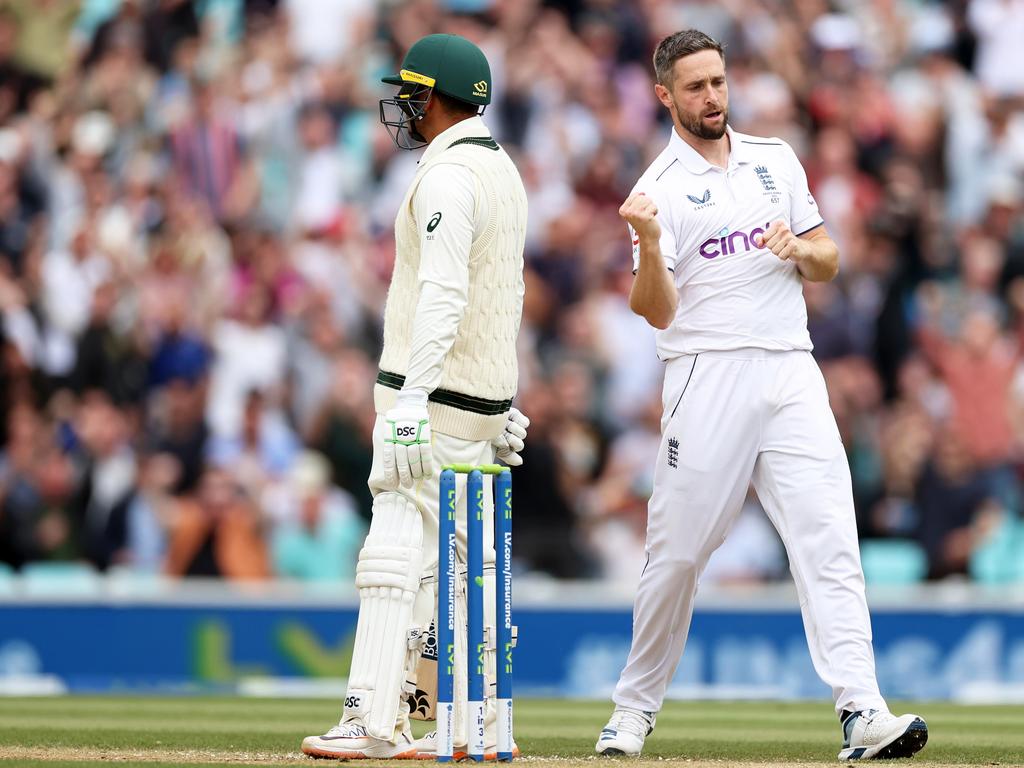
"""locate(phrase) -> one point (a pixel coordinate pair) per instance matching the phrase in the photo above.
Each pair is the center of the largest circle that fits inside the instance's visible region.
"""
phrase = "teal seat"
(999, 559)
(7, 579)
(59, 579)
(893, 561)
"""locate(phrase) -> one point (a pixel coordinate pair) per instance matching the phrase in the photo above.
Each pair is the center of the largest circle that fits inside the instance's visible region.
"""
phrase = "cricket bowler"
(724, 231)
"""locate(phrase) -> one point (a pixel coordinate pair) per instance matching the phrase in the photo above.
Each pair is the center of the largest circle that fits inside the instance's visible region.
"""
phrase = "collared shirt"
(732, 294)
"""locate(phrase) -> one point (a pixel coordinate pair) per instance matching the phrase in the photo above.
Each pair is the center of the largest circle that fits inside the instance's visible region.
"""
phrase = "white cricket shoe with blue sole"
(625, 733)
(878, 735)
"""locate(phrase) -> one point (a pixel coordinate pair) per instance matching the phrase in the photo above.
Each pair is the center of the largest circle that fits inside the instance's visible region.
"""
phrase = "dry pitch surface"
(92, 731)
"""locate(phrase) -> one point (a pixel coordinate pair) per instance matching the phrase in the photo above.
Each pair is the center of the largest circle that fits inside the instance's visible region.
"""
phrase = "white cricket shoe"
(881, 735)
(426, 749)
(349, 740)
(625, 732)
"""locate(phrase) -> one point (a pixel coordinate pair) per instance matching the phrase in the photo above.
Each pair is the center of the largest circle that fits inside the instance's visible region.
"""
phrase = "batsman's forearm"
(822, 263)
(653, 296)
(435, 326)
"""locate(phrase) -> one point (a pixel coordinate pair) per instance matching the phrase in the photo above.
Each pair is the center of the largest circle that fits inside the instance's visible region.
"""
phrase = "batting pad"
(388, 578)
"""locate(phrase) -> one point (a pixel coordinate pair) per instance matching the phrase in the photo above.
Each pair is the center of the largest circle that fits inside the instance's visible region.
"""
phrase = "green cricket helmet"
(449, 64)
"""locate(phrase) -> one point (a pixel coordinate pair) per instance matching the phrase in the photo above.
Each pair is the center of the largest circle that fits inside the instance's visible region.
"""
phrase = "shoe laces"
(632, 721)
(874, 719)
(878, 722)
(347, 730)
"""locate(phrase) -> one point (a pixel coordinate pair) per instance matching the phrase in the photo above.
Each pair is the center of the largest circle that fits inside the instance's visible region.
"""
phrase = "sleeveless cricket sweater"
(480, 372)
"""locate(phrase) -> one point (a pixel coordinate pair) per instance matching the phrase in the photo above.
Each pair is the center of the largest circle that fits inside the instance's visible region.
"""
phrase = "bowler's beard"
(696, 125)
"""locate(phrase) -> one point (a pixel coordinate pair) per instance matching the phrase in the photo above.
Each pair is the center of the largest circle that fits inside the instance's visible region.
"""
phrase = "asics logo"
(726, 243)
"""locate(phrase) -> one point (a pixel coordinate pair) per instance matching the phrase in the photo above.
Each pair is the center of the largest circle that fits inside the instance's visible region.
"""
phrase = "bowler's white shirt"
(732, 294)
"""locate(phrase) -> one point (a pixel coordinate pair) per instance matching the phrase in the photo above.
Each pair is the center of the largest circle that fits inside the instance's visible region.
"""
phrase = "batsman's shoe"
(625, 732)
(426, 749)
(872, 733)
(349, 740)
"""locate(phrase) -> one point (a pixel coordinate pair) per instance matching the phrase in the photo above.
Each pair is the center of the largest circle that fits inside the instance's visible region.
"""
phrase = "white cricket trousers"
(732, 418)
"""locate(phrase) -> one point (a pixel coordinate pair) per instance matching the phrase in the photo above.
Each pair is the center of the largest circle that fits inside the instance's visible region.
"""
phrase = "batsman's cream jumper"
(450, 328)
(744, 402)
(456, 296)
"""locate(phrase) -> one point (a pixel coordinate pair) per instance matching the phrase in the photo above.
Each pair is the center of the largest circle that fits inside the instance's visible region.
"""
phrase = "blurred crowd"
(196, 210)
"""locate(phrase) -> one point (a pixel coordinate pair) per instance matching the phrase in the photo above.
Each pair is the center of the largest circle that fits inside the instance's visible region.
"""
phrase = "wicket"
(475, 610)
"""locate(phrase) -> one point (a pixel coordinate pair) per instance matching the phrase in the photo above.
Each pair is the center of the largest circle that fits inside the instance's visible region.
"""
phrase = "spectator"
(37, 520)
(320, 176)
(318, 533)
(70, 279)
(998, 25)
(107, 359)
(343, 428)
(196, 238)
(547, 537)
(150, 512)
(951, 495)
(17, 83)
(108, 479)
(44, 34)
(176, 426)
(978, 370)
(323, 30)
(209, 157)
(250, 353)
(218, 534)
(616, 504)
(179, 352)
(262, 452)
(311, 364)
(21, 200)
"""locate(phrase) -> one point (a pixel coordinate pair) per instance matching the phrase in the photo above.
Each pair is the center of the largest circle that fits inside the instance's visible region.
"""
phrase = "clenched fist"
(641, 212)
(781, 241)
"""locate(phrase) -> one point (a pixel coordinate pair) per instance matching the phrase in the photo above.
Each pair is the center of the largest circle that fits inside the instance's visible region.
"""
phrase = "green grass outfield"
(86, 731)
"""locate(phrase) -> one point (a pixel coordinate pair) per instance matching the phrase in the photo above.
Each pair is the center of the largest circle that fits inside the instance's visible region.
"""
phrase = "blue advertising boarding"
(563, 649)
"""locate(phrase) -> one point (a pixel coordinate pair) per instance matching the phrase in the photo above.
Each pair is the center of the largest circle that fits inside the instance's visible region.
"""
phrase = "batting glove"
(407, 453)
(512, 439)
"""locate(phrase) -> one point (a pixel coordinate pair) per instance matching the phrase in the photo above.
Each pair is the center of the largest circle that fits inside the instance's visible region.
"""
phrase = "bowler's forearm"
(821, 263)
(653, 296)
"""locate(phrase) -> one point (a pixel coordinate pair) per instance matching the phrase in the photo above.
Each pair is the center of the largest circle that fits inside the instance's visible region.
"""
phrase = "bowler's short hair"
(675, 47)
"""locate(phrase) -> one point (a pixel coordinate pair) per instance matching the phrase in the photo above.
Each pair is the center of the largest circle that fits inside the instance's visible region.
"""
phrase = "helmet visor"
(399, 115)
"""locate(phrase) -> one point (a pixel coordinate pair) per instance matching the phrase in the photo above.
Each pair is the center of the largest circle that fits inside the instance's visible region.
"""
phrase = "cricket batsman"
(448, 373)
(724, 231)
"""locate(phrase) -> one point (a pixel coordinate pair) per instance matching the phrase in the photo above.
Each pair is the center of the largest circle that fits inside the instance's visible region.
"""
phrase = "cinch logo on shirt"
(726, 244)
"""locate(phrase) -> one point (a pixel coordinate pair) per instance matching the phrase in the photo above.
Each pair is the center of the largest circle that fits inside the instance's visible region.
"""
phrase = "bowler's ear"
(663, 94)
